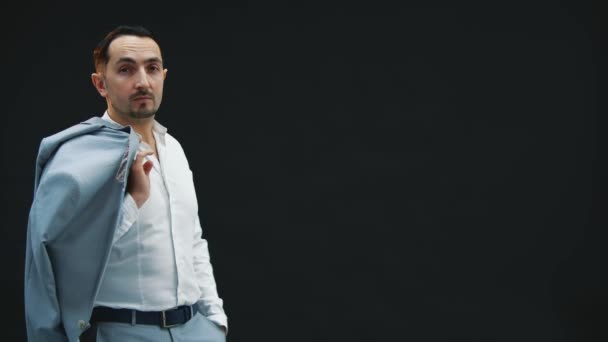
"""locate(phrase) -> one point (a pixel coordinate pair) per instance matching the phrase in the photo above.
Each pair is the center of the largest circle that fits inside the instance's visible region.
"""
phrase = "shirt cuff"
(220, 320)
(129, 210)
(130, 214)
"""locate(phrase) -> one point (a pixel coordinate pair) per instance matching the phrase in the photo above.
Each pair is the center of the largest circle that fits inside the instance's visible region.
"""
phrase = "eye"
(154, 68)
(124, 70)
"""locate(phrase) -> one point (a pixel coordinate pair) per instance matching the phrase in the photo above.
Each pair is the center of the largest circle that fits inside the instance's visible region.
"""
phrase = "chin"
(142, 115)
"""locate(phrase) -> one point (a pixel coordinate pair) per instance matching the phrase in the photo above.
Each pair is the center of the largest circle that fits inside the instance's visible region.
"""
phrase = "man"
(115, 255)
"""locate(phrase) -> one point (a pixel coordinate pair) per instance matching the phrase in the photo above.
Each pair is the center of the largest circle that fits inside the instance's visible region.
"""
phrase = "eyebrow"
(132, 61)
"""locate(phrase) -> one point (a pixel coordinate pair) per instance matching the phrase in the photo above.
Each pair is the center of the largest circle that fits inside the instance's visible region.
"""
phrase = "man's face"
(132, 80)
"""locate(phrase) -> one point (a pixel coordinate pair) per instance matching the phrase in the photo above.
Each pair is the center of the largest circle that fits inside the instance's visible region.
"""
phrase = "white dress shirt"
(159, 259)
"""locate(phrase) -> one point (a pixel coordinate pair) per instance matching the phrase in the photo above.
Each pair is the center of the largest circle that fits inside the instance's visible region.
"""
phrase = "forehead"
(133, 47)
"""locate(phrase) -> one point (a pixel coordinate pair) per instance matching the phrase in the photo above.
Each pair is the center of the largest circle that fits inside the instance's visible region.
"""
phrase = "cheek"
(121, 92)
(159, 89)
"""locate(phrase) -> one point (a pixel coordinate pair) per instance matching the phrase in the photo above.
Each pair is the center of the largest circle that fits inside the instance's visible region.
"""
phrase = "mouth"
(141, 98)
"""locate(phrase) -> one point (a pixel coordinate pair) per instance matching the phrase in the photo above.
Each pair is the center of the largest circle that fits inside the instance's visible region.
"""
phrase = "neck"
(142, 126)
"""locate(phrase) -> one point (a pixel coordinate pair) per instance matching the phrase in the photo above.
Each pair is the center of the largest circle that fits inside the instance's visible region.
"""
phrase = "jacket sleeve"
(52, 207)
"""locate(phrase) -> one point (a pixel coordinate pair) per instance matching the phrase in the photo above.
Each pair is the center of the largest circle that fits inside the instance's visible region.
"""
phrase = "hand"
(138, 184)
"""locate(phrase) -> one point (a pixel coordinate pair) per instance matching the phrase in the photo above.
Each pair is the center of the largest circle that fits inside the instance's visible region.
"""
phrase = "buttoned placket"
(176, 251)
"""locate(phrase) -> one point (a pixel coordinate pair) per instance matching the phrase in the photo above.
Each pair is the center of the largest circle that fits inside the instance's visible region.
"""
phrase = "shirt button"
(82, 324)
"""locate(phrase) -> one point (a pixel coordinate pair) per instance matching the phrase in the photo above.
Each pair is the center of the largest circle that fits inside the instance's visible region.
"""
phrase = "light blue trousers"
(198, 329)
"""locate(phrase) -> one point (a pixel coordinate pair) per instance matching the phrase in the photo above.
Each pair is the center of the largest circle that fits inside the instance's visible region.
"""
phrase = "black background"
(369, 172)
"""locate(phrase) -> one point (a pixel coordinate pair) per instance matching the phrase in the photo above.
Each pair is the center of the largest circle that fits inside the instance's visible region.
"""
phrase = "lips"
(139, 98)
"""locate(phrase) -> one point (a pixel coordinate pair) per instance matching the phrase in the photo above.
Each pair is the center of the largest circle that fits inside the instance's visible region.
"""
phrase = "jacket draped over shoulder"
(80, 182)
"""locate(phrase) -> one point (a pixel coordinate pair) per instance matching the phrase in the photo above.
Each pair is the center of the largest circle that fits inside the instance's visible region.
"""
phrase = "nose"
(142, 80)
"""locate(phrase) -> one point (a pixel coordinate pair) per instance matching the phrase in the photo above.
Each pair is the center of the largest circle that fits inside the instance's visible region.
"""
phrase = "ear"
(165, 74)
(99, 83)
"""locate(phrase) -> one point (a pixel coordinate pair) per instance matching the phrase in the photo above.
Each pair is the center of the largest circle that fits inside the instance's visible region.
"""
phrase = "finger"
(147, 167)
(141, 154)
(145, 155)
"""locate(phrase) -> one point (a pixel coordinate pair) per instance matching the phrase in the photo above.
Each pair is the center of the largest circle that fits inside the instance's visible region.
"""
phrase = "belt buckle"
(164, 318)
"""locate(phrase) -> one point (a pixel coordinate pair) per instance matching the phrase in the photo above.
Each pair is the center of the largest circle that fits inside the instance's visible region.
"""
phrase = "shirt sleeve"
(210, 303)
(130, 214)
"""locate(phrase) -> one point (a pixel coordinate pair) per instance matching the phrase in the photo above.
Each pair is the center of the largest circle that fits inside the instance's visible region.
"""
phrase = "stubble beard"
(142, 114)
(135, 114)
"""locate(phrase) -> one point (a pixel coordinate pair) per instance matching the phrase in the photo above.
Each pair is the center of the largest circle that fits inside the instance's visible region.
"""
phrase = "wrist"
(139, 199)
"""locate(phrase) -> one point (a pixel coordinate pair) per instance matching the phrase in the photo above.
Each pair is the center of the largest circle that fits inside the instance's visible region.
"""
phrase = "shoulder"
(65, 134)
(79, 130)
(175, 149)
(172, 140)
(173, 144)
(83, 148)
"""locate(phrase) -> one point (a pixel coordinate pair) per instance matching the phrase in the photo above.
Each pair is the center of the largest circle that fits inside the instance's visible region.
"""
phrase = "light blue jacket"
(80, 179)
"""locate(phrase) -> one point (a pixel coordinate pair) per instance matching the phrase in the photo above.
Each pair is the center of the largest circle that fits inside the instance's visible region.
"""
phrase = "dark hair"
(100, 53)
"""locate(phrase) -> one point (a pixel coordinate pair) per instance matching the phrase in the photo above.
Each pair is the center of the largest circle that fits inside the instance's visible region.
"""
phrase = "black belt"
(165, 319)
